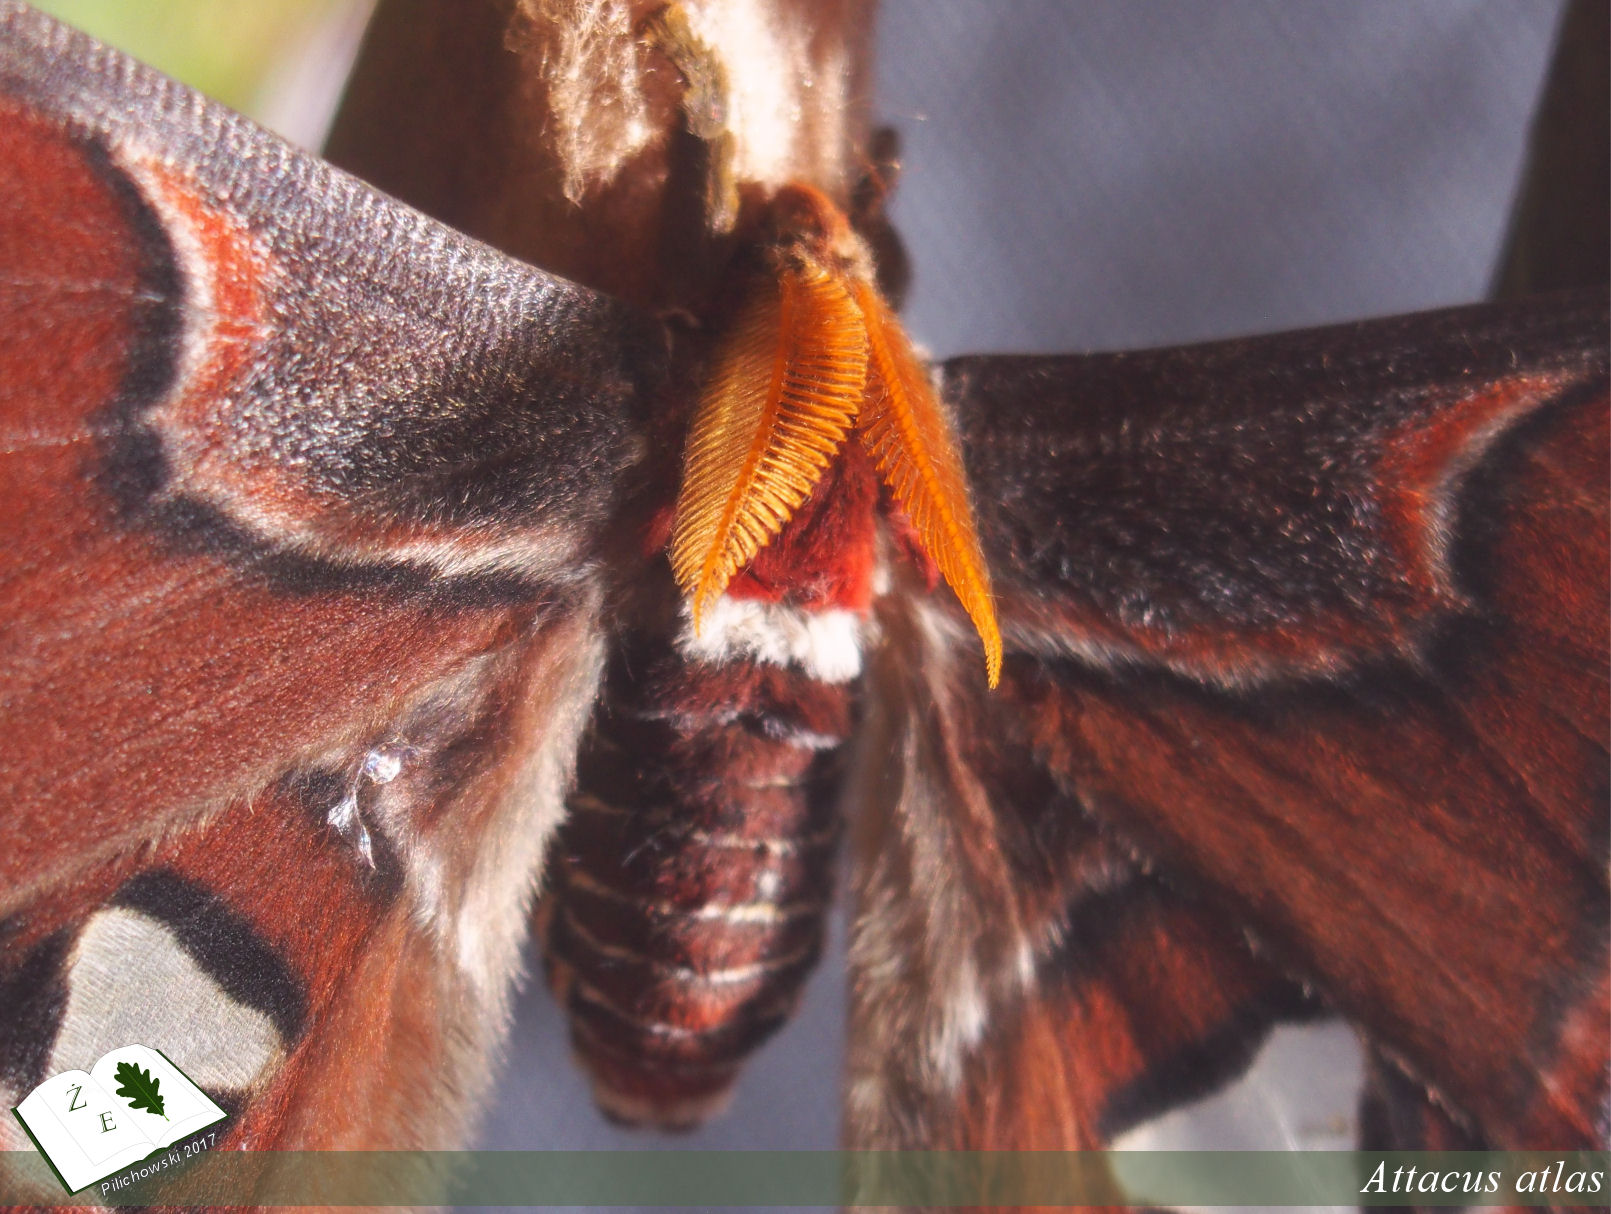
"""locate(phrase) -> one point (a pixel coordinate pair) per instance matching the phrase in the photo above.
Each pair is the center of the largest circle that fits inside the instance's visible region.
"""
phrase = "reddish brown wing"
(1307, 639)
(301, 493)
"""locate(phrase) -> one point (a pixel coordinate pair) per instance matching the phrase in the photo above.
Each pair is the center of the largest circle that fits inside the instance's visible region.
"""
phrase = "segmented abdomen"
(689, 887)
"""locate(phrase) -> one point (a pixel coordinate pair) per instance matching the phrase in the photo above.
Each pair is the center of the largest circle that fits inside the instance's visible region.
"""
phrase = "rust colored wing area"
(233, 574)
(1021, 978)
(189, 464)
(289, 976)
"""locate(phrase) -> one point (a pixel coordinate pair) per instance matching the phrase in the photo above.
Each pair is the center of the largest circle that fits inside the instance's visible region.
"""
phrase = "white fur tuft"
(599, 113)
(827, 645)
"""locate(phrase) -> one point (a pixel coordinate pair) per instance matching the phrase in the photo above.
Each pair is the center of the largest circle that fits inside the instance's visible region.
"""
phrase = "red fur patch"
(824, 556)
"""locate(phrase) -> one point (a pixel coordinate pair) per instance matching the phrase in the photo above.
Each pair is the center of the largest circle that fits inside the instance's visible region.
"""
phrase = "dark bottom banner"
(830, 1179)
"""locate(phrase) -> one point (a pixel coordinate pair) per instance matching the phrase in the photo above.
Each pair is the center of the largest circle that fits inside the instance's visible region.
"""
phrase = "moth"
(339, 592)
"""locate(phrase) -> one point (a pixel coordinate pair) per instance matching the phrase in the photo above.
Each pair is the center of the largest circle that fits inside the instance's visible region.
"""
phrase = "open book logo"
(128, 1108)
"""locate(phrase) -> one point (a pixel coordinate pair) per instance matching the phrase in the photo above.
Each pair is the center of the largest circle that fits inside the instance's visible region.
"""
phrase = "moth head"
(805, 227)
(812, 354)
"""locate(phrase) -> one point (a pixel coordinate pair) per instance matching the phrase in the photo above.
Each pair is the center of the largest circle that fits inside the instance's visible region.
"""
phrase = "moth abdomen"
(692, 879)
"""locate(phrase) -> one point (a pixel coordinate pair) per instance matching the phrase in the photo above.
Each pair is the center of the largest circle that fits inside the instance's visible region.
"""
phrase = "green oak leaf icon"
(139, 1087)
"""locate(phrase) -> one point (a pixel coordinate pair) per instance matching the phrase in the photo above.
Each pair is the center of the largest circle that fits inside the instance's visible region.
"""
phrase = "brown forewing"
(201, 525)
(1305, 691)
(1313, 628)
(217, 602)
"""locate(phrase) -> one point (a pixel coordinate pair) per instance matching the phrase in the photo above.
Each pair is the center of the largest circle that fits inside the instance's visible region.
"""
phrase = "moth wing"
(1305, 692)
(1021, 979)
(303, 498)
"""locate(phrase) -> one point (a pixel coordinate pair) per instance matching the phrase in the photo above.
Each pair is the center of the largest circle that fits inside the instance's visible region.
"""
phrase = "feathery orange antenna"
(815, 351)
(786, 387)
(913, 448)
